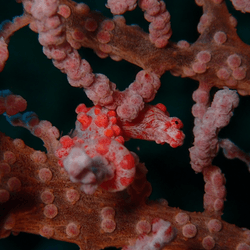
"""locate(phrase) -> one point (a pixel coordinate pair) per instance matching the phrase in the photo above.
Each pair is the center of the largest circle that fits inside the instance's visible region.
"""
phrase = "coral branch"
(231, 151)
(89, 188)
(208, 122)
(58, 209)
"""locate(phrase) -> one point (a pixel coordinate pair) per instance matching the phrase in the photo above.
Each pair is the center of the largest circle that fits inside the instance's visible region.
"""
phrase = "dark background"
(30, 74)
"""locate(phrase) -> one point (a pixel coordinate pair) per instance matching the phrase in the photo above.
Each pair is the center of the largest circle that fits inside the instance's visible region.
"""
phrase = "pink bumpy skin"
(162, 234)
(95, 156)
(154, 124)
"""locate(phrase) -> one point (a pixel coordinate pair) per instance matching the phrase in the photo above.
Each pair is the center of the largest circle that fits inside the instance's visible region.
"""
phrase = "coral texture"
(92, 84)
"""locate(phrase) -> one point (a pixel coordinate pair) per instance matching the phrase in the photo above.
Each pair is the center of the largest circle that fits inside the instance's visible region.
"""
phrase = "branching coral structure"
(90, 184)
